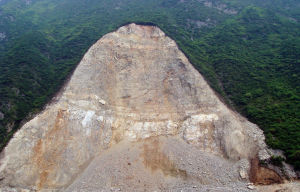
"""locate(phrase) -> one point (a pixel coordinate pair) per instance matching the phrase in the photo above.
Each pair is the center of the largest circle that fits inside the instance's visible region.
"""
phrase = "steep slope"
(133, 90)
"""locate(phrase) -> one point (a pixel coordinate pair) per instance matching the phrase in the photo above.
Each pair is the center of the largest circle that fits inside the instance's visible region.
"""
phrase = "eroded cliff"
(134, 115)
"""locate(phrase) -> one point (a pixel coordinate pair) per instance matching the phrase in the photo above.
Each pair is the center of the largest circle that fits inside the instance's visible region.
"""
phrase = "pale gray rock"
(158, 164)
(220, 6)
(244, 167)
(251, 187)
(2, 36)
(132, 86)
(288, 170)
(27, 2)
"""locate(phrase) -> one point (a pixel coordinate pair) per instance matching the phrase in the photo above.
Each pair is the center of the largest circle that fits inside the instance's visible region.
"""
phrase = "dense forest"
(248, 50)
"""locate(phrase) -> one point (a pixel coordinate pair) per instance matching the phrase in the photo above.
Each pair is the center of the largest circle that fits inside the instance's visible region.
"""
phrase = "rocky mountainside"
(135, 116)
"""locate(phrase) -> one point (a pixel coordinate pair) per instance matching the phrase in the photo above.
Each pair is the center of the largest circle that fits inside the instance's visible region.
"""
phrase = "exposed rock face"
(131, 85)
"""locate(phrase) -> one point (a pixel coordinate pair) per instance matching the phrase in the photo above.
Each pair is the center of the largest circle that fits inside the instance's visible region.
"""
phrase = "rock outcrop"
(135, 114)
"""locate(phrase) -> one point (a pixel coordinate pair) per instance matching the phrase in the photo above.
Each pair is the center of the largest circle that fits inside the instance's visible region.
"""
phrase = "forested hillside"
(248, 50)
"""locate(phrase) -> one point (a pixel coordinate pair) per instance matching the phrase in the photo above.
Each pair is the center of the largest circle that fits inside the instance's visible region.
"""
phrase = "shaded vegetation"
(277, 160)
(248, 50)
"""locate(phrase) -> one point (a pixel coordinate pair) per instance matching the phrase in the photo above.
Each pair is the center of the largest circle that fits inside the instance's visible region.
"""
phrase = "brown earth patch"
(48, 150)
(117, 136)
(155, 159)
(263, 175)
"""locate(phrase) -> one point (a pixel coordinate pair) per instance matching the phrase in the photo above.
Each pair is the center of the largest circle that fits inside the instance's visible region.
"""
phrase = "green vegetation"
(248, 50)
